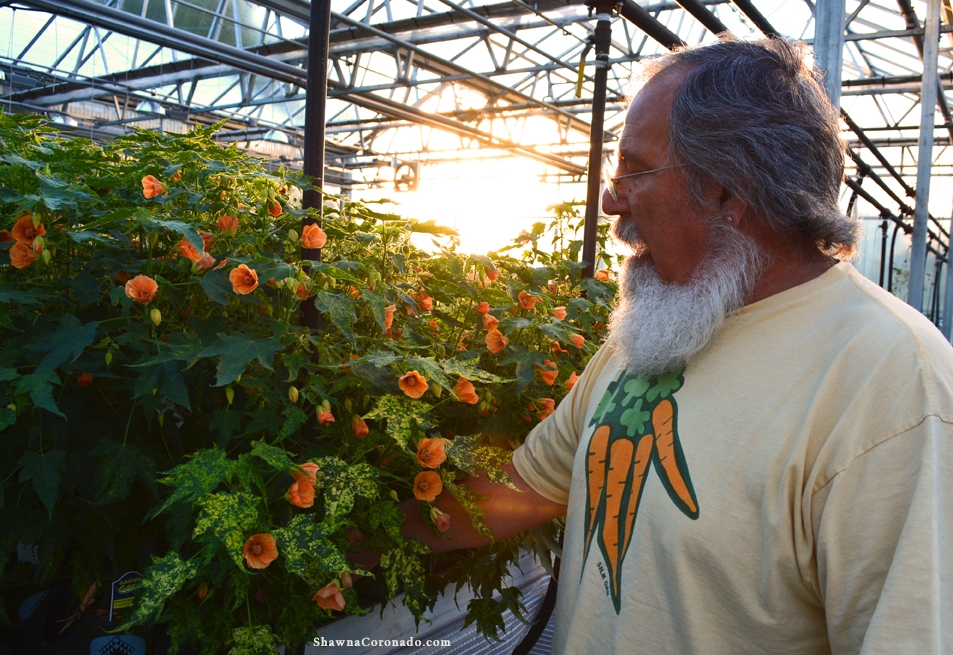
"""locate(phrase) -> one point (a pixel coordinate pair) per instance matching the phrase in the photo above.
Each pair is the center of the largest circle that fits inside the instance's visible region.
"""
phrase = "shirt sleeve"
(884, 544)
(545, 459)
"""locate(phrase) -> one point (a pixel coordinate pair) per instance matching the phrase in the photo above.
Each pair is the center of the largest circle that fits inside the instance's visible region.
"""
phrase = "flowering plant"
(151, 290)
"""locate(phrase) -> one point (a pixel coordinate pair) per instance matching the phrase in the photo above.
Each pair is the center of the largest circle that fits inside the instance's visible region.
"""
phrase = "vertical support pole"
(918, 248)
(947, 327)
(602, 37)
(830, 17)
(315, 98)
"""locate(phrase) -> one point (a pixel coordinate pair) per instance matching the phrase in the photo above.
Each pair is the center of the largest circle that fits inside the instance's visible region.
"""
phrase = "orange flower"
(556, 348)
(440, 519)
(21, 256)
(274, 207)
(360, 427)
(413, 384)
(389, 315)
(427, 486)
(495, 341)
(490, 322)
(577, 340)
(141, 288)
(312, 236)
(492, 273)
(152, 187)
(424, 301)
(208, 240)
(5, 236)
(482, 308)
(571, 382)
(25, 232)
(176, 176)
(431, 453)
(605, 275)
(244, 280)
(188, 250)
(558, 312)
(307, 472)
(548, 371)
(301, 494)
(548, 407)
(228, 224)
(204, 263)
(302, 291)
(354, 292)
(260, 550)
(464, 392)
(329, 598)
(84, 379)
(527, 301)
(325, 416)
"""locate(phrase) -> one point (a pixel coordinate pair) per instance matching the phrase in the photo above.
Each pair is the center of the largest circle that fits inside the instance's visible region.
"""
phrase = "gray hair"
(751, 117)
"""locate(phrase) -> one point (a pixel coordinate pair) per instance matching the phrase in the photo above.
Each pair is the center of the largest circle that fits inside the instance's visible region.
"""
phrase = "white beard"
(658, 327)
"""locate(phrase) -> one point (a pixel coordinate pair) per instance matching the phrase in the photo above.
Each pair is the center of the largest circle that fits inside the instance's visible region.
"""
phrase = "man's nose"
(611, 206)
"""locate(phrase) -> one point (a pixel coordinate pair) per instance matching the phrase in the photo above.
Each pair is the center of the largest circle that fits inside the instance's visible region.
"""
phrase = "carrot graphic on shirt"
(635, 425)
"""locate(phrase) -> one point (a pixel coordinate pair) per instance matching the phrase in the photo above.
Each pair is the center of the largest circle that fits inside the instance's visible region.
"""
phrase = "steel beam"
(918, 248)
(829, 45)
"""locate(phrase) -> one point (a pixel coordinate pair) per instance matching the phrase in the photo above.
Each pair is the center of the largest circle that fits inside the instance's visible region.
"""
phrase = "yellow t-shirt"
(790, 492)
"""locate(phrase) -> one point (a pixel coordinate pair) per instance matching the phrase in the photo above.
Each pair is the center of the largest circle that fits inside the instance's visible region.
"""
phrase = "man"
(759, 459)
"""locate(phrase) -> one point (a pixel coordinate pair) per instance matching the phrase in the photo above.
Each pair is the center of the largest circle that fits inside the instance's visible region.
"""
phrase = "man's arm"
(507, 513)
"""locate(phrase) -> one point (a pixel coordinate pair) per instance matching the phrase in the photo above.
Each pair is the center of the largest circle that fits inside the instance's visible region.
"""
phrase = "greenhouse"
(358, 326)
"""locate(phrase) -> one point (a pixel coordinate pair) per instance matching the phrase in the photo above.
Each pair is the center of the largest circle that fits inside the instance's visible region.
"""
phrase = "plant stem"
(129, 422)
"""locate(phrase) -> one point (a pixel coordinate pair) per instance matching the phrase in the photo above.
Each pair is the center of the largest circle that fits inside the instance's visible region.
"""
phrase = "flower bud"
(238, 379)
(109, 358)
(347, 405)
(293, 236)
(47, 256)
(12, 407)
(326, 404)
(161, 419)
(365, 400)
(293, 394)
(36, 220)
(229, 395)
(38, 243)
(155, 315)
(393, 496)
(155, 390)
(437, 389)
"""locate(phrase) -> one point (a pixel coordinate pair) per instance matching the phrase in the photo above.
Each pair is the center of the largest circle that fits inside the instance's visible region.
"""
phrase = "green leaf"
(119, 467)
(303, 540)
(44, 470)
(526, 362)
(428, 367)
(7, 418)
(224, 519)
(377, 303)
(235, 351)
(431, 227)
(198, 476)
(7, 374)
(67, 342)
(468, 454)
(342, 483)
(275, 457)
(172, 385)
(468, 499)
(340, 309)
(254, 640)
(227, 423)
(403, 415)
(387, 516)
(156, 225)
(380, 358)
(508, 325)
(469, 370)
(31, 297)
(559, 331)
(39, 385)
(160, 582)
(597, 291)
(217, 286)
(294, 419)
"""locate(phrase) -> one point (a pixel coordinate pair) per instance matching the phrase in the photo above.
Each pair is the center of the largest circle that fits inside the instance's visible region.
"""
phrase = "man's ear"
(732, 206)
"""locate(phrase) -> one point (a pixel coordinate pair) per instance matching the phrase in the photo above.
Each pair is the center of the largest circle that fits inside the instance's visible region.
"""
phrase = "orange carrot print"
(596, 457)
(672, 469)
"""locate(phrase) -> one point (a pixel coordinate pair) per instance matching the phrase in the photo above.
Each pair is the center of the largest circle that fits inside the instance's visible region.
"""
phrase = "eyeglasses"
(612, 181)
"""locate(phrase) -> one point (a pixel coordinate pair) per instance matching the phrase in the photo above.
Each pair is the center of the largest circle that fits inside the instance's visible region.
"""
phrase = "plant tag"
(123, 594)
(118, 645)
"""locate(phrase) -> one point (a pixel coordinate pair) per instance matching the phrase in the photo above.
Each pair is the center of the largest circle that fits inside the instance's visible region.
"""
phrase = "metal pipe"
(748, 9)
(910, 18)
(947, 325)
(648, 24)
(928, 96)
(601, 40)
(703, 16)
(893, 243)
(829, 45)
(883, 251)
